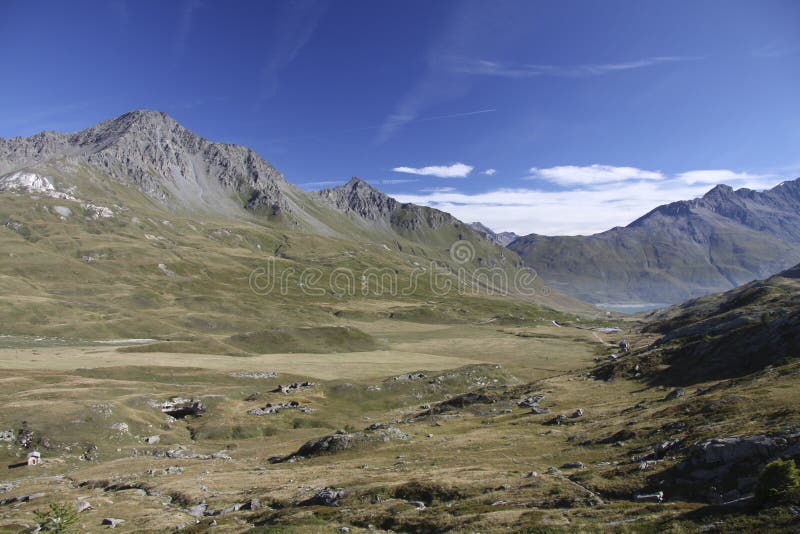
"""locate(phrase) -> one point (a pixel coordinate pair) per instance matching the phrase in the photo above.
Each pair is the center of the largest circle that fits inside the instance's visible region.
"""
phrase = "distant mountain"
(677, 251)
(724, 335)
(502, 238)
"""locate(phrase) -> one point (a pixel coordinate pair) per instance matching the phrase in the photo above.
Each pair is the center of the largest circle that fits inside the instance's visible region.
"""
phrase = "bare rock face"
(361, 199)
(161, 158)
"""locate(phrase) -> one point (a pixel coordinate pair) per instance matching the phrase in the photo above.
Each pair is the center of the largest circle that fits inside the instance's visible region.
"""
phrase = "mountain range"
(145, 161)
(137, 227)
(676, 251)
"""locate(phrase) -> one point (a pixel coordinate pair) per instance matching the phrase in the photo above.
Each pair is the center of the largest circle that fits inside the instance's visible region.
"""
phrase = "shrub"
(428, 492)
(59, 518)
(779, 483)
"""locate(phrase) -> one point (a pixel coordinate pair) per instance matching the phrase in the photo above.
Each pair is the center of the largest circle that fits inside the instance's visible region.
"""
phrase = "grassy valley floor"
(430, 435)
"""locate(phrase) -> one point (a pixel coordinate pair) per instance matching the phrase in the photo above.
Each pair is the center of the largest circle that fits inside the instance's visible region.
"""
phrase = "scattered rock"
(164, 269)
(325, 497)
(419, 505)
(409, 376)
(198, 510)
(96, 212)
(122, 428)
(675, 393)
(577, 413)
(82, 506)
(152, 440)
(652, 497)
(530, 401)
(292, 388)
(250, 374)
(557, 420)
(7, 435)
(572, 465)
(63, 211)
(275, 408)
(111, 522)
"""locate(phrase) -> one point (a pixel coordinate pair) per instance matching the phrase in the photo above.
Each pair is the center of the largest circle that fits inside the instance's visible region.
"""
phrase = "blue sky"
(557, 117)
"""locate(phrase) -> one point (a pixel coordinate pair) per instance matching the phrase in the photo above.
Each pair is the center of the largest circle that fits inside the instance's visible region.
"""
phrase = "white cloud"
(399, 181)
(456, 170)
(569, 175)
(587, 209)
(718, 176)
(489, 172)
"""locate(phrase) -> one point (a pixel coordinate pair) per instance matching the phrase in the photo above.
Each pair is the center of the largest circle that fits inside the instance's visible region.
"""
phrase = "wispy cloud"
(185, 22)
(593, 207)
(483, 67)
(775, 50)
(395, 181)
(321, 183)
(293, 27)
(323, 135)
(489, 172)
(570, 175)
(456, 170)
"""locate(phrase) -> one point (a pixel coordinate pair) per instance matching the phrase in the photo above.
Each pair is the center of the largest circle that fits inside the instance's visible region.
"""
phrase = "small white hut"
(34, 458)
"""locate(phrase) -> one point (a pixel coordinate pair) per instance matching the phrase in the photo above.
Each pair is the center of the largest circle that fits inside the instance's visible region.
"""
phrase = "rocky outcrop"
(342, 441)
(179, 407)
(325, 497)
(276, 408)
(726, 469)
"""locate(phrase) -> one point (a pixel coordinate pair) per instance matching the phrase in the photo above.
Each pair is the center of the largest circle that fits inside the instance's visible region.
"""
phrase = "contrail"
(365, 128)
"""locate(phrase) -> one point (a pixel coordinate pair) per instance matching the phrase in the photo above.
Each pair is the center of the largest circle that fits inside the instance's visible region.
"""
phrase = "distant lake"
(635, 307)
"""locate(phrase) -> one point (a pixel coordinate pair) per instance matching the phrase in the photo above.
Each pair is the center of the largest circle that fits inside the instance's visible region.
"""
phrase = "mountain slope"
(677, 251)
(138, 228)
(724, 335)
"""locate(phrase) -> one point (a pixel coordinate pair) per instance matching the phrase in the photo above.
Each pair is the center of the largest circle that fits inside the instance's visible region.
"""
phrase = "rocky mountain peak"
(360, 198)
(153, 152)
